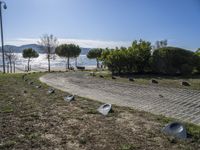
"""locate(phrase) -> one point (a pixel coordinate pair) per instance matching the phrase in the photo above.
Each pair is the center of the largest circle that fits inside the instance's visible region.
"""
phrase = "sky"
(103, 23)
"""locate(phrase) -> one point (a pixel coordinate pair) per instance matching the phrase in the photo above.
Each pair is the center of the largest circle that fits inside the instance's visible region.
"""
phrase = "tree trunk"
(10, 66)
(76, 62)
(119, 72)
(7, 67)
(97, 63)
(49, 68)
(28, 64)
(14, 67)
(66, 65)
(68, 62)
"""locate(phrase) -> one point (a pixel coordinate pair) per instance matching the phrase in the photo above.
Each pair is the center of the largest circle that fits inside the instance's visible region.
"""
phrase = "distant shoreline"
(21, 69)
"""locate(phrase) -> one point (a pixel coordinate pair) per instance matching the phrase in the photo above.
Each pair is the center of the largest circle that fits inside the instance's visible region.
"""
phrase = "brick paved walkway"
(182, 104)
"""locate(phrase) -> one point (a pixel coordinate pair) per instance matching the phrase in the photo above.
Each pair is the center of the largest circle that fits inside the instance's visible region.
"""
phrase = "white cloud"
(80, 42)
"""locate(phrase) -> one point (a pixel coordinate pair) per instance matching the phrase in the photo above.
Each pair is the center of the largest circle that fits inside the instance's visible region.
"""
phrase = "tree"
(95, 54)
(68, 51)
(11, 57)
(29, 53)
(135, 58)
(161, 44)
(197, 54)
(142, 52)
(49, 43)
(77, 52)
(173, 60)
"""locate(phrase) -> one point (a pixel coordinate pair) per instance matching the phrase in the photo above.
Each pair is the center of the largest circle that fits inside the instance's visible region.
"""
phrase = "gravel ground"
(182, 104)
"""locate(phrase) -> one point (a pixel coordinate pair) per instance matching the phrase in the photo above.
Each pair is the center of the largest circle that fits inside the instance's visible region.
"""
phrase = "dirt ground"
(32, 119)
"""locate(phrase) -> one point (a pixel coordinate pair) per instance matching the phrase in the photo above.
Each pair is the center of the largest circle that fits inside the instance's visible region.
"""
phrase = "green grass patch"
(128, 147)
(7, 144)
(6, 109)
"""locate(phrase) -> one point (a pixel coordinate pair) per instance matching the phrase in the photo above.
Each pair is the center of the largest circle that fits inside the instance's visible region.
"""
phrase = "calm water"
(41, 61)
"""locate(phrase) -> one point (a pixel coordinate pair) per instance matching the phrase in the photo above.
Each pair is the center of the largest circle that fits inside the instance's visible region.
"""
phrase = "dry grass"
(32, 119)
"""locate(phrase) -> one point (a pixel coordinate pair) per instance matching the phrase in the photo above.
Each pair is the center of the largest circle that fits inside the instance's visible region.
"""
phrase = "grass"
(166, 81)
(6, 109)
(37, 120)
(128, 147)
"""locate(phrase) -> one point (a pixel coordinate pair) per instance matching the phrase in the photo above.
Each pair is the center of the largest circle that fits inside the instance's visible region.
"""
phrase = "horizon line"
(81, 42)
(87, 43)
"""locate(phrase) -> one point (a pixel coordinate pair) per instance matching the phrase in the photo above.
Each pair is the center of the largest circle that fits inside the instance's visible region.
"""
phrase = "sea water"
(56, 62)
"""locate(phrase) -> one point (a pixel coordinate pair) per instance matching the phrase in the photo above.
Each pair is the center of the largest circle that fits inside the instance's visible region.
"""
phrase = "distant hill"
(19, 49)
(38, 48)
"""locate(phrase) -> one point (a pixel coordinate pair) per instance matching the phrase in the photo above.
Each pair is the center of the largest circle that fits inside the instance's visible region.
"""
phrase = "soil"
(37, 120)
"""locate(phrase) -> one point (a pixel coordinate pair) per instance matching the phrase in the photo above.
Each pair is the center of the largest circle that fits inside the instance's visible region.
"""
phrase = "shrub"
(173, 60)
(197, 60)
(186, 69)
(123, 60)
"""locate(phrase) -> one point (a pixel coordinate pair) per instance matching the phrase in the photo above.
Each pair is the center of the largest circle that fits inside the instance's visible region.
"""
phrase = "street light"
(2, 46)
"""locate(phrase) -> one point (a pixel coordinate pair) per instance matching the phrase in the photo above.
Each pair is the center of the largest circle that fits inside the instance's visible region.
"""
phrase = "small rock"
(50, 91)
(131, 79)
(38, 86)
(161, 96)
(154, 81)
(24, 91)
(184, 83)
(114, 78)
(105, 109)
(69, 98)
(30, 83)
(101, 76)
(175, 129)
(20, 136)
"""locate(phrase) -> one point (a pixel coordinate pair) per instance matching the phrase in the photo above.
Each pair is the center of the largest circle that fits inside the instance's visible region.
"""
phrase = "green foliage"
(95, 54)
(139, 58)
(134, 59)
(197, 53)
(198, 50)
(194, 131)
(68, 51)
(173, 60)
(142, 53)
(29, 53)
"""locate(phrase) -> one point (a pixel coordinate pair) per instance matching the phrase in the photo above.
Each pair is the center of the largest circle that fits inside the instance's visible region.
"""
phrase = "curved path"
(182, 104)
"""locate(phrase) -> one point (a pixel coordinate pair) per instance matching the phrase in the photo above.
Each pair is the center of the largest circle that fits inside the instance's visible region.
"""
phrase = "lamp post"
(1, 23)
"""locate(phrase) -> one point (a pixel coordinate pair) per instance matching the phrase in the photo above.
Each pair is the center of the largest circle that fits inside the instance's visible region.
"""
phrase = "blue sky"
(102, 23)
